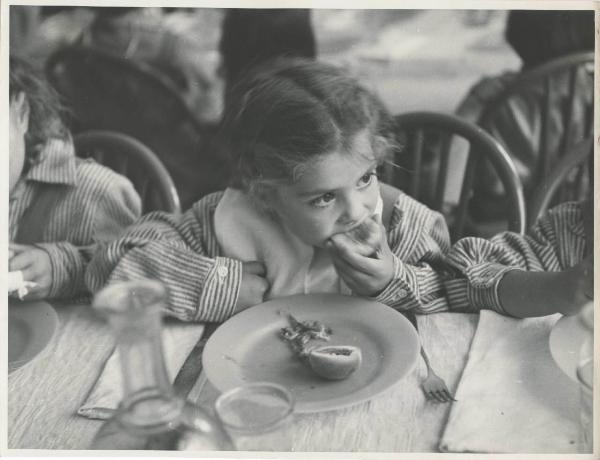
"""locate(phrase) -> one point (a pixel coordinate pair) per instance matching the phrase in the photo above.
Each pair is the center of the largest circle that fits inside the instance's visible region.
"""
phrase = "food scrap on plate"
(334, 362)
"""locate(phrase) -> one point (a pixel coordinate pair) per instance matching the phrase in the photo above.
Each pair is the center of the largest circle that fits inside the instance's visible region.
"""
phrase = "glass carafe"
(150, 416)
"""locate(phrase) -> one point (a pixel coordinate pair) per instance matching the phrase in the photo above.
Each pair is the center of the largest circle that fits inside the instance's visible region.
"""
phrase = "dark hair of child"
(290, 112)
(538, 36)
(251, 37)
(45, 109)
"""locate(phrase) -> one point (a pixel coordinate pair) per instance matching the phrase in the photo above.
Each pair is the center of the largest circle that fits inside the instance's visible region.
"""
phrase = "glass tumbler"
(258, 416)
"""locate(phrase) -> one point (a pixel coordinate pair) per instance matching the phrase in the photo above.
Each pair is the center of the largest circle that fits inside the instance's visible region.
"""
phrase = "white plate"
(566, 339)
(248, 348)
(31, 326)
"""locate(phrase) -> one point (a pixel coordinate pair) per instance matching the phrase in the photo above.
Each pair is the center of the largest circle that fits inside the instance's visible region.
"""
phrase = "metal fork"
(433, 386)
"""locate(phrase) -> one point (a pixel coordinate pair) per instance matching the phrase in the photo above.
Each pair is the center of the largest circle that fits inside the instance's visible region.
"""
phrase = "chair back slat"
(441, 181)
(466, 191)
(543, 163)
(416, 160)
(578, 162)
(443, 129)
(560, 94)
(567, 138)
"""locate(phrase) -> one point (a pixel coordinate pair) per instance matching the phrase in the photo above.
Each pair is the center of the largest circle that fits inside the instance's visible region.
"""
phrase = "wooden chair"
(543, 114)
(552, 190)
(131, 158)
(108, 92)
(415, 131)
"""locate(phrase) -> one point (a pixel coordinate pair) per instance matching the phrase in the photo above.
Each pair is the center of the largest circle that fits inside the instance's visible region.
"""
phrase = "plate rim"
(207, 364)
(33, 307)
(565, 323)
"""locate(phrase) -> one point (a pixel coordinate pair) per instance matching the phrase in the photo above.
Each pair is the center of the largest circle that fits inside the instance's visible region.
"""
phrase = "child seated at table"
(550, 270)
(302, 216)
(60, 206)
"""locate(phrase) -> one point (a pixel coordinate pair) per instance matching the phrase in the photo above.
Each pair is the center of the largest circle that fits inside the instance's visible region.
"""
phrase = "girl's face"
(18, 121)
(333, 195)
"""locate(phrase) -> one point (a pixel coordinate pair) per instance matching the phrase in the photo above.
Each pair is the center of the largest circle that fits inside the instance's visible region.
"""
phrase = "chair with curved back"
(109, 92)
(415, 131)
(542, 115)
(129, 157)
(552, 190)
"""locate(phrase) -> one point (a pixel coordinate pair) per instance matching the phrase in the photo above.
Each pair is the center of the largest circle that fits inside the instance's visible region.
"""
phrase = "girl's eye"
(323, 200)
(367, 179)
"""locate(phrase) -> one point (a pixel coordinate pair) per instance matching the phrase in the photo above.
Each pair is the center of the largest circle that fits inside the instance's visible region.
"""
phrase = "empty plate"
(31, 326)
(248, 348)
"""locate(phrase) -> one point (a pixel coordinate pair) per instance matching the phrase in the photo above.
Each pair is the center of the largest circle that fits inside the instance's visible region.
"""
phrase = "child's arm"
(419, 245)
(180, 252)
(527, 294)
(556, 243)
(58, 267)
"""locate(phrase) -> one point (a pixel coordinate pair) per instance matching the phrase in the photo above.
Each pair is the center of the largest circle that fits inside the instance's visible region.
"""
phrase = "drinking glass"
(258, 416)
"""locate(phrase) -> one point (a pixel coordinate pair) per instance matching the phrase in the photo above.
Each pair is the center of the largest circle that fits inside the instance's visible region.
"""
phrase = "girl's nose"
(355, 209)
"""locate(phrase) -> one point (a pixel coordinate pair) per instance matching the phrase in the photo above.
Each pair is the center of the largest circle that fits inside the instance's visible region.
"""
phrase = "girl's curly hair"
(45, 108)
(290, 112)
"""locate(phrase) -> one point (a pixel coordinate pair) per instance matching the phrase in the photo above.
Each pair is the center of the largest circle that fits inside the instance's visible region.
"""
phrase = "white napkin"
(16, 284)
(246, 232)
(512, 397)
(178, 341)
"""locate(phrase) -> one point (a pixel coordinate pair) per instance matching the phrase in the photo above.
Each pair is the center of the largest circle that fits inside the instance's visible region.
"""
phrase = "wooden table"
(44, 395)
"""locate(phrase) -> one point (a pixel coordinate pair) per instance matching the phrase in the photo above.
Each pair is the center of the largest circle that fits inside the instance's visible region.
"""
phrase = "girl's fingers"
(31, 273)
(254, 268)
(16, 248)
(360, 262)
(351, 269)
(348, 242)
(21, 261)
(350, 276)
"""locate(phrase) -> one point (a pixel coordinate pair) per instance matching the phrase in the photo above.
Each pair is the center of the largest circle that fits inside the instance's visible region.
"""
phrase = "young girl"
(302, 215)
(59, 206)
(549, 270)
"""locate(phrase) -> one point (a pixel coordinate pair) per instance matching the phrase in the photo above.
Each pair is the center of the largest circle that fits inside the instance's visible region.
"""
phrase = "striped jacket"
(203, 285)
(555, 243)
(95, 205)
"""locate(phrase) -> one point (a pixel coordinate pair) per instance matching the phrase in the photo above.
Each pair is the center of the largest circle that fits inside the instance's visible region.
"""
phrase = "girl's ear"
(22, 110)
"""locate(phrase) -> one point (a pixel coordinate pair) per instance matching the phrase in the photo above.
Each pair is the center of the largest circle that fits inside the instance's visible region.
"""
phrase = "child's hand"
(36, 267)
(363, 258)
(581, 278)
(254, 285)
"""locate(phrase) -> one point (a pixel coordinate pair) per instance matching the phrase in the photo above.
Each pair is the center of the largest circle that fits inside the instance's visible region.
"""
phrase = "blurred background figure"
(253, 36)
(538, 37)
(24, 22)
(146, 35)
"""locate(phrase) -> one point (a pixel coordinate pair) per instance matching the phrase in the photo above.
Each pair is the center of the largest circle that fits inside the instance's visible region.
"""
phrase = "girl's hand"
(580, 286)
(36, 267)
(253, 287)
(363, 258)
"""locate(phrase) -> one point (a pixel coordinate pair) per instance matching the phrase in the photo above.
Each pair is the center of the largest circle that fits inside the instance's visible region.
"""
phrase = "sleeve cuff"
(484, 281)
(221, 290)
(68, 270)
(400, 292)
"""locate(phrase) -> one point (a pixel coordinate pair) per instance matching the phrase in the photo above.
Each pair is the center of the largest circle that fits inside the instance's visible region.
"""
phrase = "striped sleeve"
(68, 268)
(180, 252)
(555, 243)
(419, 239)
